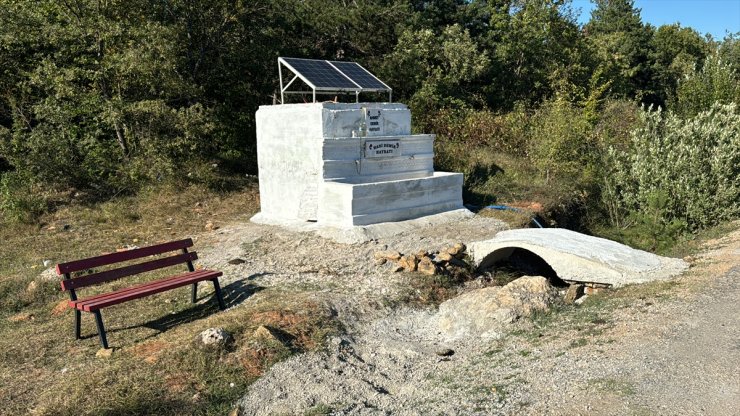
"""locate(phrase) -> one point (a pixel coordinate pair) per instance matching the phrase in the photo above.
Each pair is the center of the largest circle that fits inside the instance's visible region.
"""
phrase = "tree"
(436, 71)
(622, 44)
(676, 51)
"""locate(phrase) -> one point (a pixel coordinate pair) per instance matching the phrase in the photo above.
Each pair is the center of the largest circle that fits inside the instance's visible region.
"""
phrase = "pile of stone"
(448, 260)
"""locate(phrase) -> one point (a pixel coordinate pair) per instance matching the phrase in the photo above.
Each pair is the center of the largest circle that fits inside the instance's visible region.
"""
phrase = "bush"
(20, 198)
(717, 81)
(695, 162)
(560, 142)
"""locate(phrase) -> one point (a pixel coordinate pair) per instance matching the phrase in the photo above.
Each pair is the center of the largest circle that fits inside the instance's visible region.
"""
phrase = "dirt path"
(687, 361)
(653, 349)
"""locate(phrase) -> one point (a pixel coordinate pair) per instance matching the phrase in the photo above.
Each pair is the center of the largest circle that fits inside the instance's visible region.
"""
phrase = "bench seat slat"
(141, 286)
(113, 298)
(120, 272)
(92, 262)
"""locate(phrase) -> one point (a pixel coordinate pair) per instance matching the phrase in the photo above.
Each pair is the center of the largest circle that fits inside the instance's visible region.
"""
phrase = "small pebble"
(445, 352)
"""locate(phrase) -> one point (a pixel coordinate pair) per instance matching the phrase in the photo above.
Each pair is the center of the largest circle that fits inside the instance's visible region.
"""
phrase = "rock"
(59, 308)
(409, 263)
(266, 333)
(426, 266)
(445, 352)
(421, 254)
(387, 254)
(380, 262)
(49, 274)
(32, 287)
(574, 292)
(20, 317)
(47, 263)
(216, 338)
(237, 261)
(483, 312)
(444, 256)
(458, 249)
(234, 412)
(396, 268)
(590, 290)
(104, 353)
(210, 226)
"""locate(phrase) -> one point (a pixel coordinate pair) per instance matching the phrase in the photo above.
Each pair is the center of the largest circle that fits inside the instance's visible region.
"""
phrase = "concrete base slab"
(361, 234)
(579, 257)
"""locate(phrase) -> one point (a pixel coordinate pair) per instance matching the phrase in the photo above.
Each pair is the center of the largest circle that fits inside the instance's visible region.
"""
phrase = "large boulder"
(484, 312)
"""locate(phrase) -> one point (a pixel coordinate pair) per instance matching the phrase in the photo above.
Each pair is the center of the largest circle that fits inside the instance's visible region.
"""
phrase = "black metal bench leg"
(194, 296)
(101, 329)
(220, 298)
(78, 318)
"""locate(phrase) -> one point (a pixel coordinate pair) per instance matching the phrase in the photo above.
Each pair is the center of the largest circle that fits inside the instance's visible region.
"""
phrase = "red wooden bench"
(95, 303)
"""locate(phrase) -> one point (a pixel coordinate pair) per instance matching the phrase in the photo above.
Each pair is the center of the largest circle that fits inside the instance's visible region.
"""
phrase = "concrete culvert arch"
(577, 257)
(522, 260)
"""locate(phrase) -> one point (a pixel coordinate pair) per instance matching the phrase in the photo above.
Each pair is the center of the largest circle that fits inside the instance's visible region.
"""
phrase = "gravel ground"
(677, 354)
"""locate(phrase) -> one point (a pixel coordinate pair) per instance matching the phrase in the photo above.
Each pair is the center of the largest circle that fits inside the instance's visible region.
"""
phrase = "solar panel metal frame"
(326, 89)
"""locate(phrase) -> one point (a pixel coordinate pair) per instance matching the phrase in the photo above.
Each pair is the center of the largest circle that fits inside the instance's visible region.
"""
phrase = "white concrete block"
(349, 204)
(347, 165)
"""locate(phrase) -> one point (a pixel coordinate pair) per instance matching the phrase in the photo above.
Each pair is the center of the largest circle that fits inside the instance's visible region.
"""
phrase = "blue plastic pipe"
(508, 208)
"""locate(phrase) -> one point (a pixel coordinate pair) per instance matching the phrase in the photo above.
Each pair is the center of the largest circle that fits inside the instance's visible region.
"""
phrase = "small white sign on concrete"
(382, 148)
(375, 122)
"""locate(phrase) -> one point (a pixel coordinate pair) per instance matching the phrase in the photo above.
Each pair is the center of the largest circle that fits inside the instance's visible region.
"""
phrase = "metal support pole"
(78, 318)
(101, 329)
(191, 268)
(280, 73)
(220, 298)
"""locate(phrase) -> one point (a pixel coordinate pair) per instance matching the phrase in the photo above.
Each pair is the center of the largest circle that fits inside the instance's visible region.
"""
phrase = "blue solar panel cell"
(321, 74)
(360, 75)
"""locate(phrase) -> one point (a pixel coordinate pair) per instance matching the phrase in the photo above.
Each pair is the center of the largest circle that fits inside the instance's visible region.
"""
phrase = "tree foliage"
(108, 96)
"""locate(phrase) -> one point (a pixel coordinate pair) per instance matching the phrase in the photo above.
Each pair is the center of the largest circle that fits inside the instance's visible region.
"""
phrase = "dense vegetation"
(630, 125)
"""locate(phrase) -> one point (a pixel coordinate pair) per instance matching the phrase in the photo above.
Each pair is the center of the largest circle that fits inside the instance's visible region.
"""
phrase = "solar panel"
(321, 74)
(329, 77)
(360, 75)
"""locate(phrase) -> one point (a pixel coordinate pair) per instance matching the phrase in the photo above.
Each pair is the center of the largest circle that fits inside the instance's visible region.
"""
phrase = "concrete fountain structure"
(345, 165)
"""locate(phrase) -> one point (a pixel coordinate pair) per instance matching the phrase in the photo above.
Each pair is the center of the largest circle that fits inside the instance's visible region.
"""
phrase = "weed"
(580, 342)
(617, 386)
(319, 409)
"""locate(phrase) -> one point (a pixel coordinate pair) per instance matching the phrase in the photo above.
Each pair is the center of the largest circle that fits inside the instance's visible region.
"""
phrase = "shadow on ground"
(234, 293)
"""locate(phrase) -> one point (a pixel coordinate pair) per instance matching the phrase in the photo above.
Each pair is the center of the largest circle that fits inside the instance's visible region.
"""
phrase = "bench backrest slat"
(92, 262)
(108, 275)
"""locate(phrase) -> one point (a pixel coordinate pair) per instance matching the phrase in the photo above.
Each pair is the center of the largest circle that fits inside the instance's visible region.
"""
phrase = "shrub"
(20, 198)
(560, 141)
(716, 81)
(695, 162)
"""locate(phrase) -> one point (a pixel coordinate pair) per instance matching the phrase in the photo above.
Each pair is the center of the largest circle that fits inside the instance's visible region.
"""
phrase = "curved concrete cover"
(579, 257)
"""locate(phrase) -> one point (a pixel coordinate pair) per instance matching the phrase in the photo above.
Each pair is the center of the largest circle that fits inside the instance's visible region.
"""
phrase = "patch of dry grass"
(155, 368)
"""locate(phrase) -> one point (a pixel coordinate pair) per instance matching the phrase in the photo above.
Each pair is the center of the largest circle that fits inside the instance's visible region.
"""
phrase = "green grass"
(617, 386)
(155, 368)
